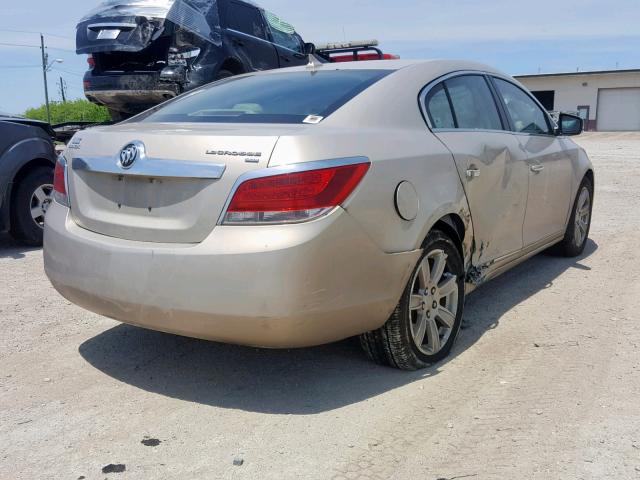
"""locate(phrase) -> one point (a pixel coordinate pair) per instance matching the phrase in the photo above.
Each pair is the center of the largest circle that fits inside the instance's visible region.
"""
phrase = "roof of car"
(435, 64)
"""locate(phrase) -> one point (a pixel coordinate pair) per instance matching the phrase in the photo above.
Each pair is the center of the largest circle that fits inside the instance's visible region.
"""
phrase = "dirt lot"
(544, 381)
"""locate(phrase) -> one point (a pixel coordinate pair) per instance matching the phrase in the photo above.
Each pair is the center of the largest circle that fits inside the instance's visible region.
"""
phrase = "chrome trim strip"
(113, 26)
(150, 167)
(252, 37)
(289, 168)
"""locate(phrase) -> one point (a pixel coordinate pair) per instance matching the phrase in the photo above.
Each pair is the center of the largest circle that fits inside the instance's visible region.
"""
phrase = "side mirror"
(569, 124)
(309, 48)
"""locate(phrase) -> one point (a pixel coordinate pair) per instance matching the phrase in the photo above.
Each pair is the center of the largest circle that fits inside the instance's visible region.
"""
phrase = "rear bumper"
(281, 286)
(129, 92)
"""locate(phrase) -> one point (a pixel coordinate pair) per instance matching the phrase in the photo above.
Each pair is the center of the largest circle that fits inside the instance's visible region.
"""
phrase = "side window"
(283, 33)
(473, 104)
(439, 109)
(245, 19)
(292, 42)
(526, 115)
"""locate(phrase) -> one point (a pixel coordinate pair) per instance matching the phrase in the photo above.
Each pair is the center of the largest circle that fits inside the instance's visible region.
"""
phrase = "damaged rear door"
(246, 36)
(464, 115)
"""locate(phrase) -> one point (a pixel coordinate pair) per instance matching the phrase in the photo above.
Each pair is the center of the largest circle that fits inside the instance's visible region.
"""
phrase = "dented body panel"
(498, 195)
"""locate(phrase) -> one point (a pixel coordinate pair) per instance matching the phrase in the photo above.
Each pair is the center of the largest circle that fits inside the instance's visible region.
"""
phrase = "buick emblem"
(128, 155)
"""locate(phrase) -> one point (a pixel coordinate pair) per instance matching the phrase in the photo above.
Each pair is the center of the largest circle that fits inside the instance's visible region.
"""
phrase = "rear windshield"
(291, 97)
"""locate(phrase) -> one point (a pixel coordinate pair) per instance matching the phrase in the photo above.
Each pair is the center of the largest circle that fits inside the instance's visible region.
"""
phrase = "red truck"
(352, 51)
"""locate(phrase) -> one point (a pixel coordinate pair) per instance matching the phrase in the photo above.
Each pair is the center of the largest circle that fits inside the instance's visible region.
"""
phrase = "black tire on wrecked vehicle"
(33, 192)
(435, 289)
(579, 226)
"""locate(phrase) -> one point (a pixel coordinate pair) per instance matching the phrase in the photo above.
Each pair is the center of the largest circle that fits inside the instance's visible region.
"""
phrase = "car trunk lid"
(175, 190)
(117, 34)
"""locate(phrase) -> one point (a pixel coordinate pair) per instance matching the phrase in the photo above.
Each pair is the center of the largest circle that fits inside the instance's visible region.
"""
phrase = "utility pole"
(45, 67)
(63, 89)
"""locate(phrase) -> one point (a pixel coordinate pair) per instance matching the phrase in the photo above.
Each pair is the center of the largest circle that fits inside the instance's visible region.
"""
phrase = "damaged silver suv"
(142, 52)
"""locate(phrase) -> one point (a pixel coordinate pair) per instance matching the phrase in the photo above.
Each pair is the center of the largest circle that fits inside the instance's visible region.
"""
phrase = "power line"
(61, 49)
(69, 72)
(18, 45)
(34, 33)
(19, 66)
(4, 44)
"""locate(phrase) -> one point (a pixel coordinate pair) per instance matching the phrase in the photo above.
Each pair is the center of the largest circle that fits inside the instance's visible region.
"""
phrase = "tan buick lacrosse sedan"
(302, 206)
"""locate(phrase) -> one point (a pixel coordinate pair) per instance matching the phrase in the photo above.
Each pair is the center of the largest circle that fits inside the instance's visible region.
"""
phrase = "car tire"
(579, 226)
(430, 309)
(32, 194)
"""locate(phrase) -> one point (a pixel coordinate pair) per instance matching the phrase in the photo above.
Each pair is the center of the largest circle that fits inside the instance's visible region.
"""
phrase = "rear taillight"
(91, 61)
(60, 182)
(293, 197)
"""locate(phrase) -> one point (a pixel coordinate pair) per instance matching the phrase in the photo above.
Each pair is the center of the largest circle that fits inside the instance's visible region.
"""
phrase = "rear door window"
(473, 104)
(526, 115)
(439, 108)
(246, 19)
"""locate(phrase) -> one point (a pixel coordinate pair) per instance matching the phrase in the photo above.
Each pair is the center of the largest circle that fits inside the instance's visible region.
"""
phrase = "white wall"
(571, 93)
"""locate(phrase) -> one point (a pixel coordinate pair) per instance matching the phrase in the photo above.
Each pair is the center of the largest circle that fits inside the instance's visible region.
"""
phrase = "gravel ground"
(543, 383)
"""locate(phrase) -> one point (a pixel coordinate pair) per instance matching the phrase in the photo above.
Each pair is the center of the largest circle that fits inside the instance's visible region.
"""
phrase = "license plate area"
(108, 34)
(138, 192)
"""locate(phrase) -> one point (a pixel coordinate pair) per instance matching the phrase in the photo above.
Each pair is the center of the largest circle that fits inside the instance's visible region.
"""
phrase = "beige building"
(608, 100)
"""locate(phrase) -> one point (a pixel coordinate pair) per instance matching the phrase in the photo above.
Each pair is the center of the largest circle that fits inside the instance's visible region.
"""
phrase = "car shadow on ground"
(10, 248)
(296, 382)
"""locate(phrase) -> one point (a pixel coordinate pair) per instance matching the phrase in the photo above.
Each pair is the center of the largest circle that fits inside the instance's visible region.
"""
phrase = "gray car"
(302, 206)
(27, 159)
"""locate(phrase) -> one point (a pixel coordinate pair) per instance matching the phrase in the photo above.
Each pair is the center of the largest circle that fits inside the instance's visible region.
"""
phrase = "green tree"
(74, 111)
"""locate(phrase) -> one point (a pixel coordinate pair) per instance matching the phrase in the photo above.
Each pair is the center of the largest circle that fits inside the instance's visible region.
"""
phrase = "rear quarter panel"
(581, 164)
(385, 124)
(396, 155)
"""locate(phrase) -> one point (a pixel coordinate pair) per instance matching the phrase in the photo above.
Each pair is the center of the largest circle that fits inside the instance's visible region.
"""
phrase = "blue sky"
(554, 36)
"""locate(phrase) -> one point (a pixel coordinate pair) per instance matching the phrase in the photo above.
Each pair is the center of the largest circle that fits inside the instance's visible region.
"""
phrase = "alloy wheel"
(40, 201)
(582, 216)
(433, 303)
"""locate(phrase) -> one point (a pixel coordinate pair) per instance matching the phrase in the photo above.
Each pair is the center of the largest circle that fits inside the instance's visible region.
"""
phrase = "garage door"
(619, 109)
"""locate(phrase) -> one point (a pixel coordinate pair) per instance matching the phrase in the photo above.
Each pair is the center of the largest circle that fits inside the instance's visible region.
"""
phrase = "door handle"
(473, 173)
(536, 168)
(239, 43)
